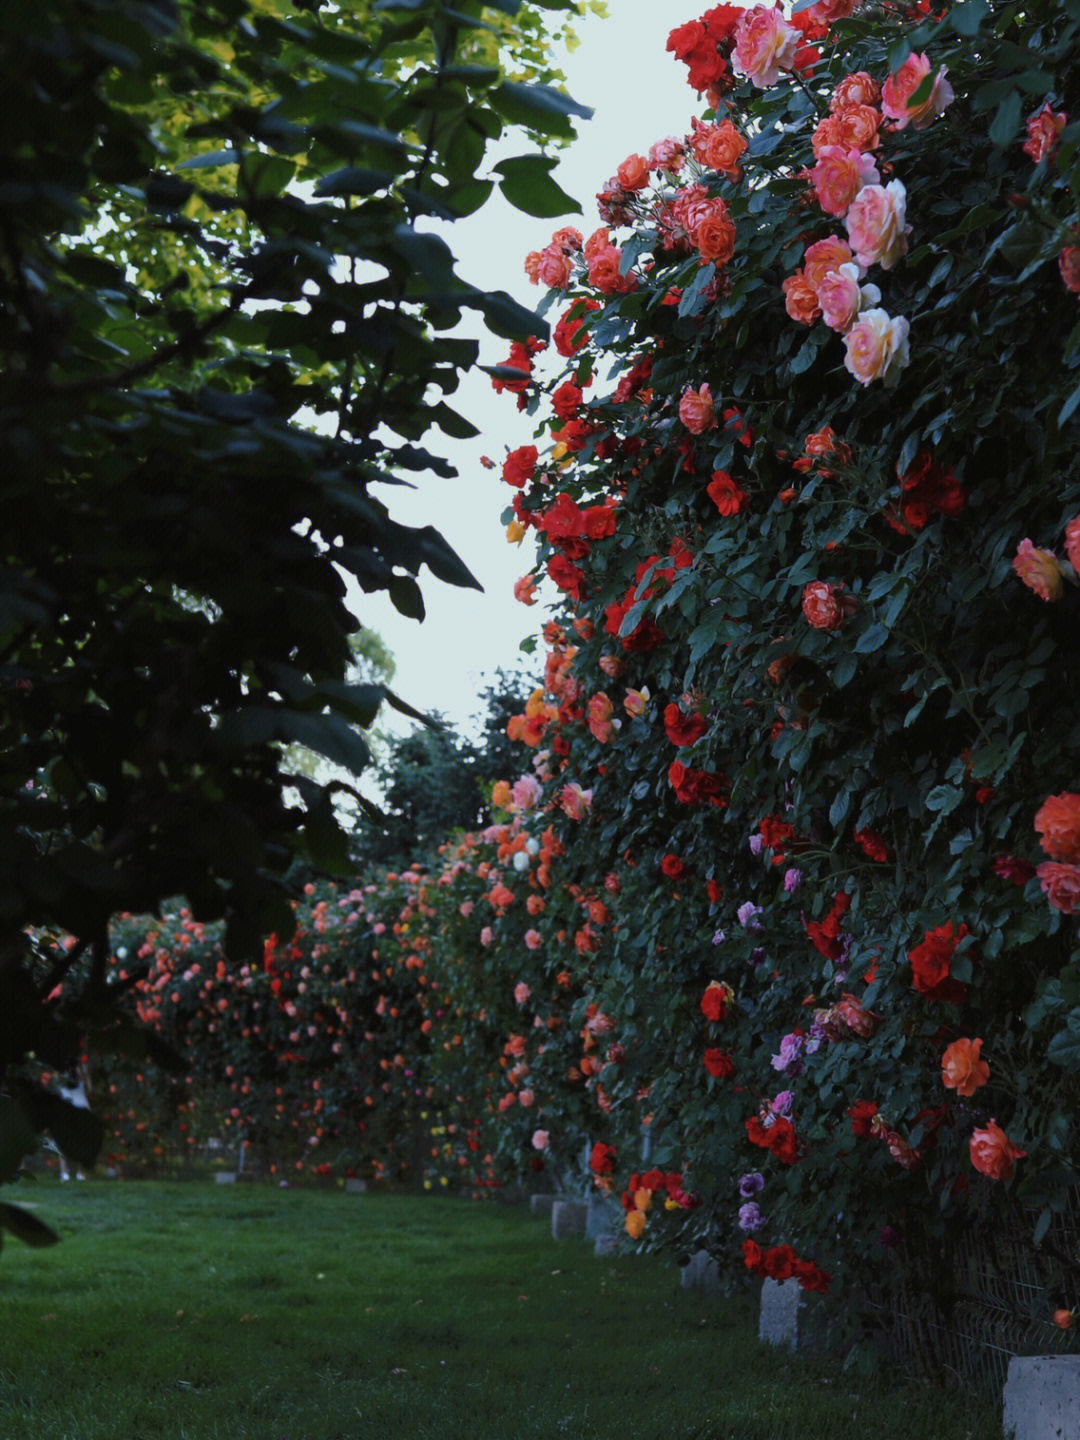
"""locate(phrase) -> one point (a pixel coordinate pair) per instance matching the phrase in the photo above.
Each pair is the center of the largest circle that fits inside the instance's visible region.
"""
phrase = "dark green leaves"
(527, 184)
(538, 107)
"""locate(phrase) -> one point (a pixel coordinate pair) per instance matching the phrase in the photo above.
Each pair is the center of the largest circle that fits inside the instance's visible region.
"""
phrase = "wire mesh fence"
(964, 1315)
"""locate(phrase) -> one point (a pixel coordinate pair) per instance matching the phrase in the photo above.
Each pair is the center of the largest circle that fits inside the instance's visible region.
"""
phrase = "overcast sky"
(639, 94)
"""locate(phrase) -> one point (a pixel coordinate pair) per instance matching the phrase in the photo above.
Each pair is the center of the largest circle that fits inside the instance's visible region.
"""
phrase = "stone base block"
(1042, 1398)
(605, 1216)
(781, 1312)
(701, 1272)
(568, 1219)
(541, 1204)
(225, 1177)
(356, 1187)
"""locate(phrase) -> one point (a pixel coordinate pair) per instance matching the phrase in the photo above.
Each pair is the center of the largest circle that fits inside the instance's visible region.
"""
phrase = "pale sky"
(639, 94)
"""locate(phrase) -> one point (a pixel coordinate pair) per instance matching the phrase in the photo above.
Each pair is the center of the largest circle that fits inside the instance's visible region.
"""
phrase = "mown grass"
(196, 1312)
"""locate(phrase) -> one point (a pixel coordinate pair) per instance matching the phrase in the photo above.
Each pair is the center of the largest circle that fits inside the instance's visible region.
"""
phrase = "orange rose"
(824, 256)
(715, 236)
(800, 299)
(635, 1224)
(1058, 822)
(633, 173)
(992, 1152)
(961, 1068)
(1039, 570)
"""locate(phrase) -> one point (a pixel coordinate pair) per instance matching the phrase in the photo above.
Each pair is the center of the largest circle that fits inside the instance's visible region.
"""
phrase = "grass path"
(196, 1312)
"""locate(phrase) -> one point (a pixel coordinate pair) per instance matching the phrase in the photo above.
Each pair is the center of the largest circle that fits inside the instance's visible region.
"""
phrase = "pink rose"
(522, 992)
(1072, 543)
(875, 224)
(466, 908)
(554, 268)
(696, 410)
(540, 1140)
(1069, 265)
(487, 936)
(841, 297)
(765, 44)
(839, 175)
(1039, 570)
(526, 1098)
(993, 1153)
(877, 347)
(525, 792)
(1044, 133)
(897, 91)
(858, 89)
(575, 801)
(667, 154)
(1060, 885)
(533, 940)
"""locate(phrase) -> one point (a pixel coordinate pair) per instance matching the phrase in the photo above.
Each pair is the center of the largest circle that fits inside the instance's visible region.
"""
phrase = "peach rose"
(604, 272)
(877, 347)
(719, 147)
(1072, 543)
(522, 992)
(855, 127)
(898, 89)
(800, 299)
(532, 266)
(500, 794)
(875, 224)
(961, 1068)
(633, 173)
(839, 175)
(540, 1139)
(858, 89)
(1058, 822)
(823, 256)
(597, 241)
(667, 154)
(993, 1153)
(1039, 570)
(1060, 885)
(696, 410)
(636, 702)
(611, 665)
(533, 938)
(765, 44)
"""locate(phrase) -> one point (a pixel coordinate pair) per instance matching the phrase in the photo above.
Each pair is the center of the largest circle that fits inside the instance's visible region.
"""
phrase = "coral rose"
(633, 173)
(898, 89)
(841, 298)
(877, 347)
(1069, 266)
(1058, 822)
(824, 605)
(554, 268)
(993, 1153)
(1039, 570)
(605, 275)
(1044, 133)
(765, 44)
(800, 299)
(728, 497)
(696, 410)
(961, 1068)
(1061, 885)
(824, 256)
(839, 175)
(875, 224)
(714, 235)
(525, 590)
(858, 89)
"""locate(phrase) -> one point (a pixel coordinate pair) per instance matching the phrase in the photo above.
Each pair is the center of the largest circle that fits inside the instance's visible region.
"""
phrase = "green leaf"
(529, 187)
(1064, 1047)
(26, 1227)
(355, 180)
(538, 107)
(1005, 123)
(872, 638)
(966, 18)
(212, 160)
(1069, 408)
(406, 598)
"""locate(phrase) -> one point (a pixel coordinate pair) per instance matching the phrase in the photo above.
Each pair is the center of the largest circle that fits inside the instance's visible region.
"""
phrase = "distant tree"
(429, 783)
(222, 326)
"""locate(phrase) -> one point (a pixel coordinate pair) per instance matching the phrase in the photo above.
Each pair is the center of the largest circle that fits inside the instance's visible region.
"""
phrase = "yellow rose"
(643, 1199)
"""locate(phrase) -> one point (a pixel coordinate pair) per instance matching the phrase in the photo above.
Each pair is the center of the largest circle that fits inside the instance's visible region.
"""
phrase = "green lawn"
(201, 1312)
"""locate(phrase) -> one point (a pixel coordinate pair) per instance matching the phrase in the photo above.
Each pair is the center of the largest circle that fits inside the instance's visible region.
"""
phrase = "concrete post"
(1042, 1398)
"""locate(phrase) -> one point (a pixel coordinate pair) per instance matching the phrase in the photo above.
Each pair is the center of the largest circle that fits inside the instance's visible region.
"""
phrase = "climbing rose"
(683, 729)
(765, 44)
(877, 347)
(858, 89)
(825, 607)
(898, 89)
(1069, 265)
(673, 867)
(719, 1063)
(716, 1000)
(520, 465)
(824, 256)
(839, 175)
(993, 1153)
(522, 992)
(1044, 133)
(1058, 822)
(540, 1139)
(696, 410)
(725, 493)
(931, 961)
(800, 299)
(1039, 570)
(1061, 885)
(1072, 542)
(525, 589)
(875, 224)
(841, 297)
(602, 1158)
(961, 1068)
(633, 173)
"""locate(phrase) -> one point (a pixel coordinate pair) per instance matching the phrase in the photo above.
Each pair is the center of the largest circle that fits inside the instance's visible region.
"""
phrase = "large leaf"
(527, 184)
(539, 107)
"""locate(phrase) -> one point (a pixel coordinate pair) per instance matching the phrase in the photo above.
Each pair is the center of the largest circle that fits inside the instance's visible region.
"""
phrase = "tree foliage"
(223, 329)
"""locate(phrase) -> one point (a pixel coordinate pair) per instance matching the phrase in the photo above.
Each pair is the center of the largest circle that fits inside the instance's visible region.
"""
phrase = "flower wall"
(806, 481)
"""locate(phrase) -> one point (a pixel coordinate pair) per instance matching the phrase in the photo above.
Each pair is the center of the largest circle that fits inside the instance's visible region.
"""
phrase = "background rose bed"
(792, 872)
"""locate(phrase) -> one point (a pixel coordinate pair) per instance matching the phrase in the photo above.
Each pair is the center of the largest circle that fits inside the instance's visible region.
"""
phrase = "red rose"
(931, 961)
(719, 1064)
(566, 576)
(825, 606)
(566, 400)
(780, 1262)
(754, 1256)
(861, 1114)
(715, 891)
(520, 465)
(683, 729)
(602, 1158)
(726, 494)
(716, 1000)
(673, 867)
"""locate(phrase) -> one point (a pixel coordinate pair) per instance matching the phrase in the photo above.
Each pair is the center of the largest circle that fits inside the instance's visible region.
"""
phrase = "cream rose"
(877, 347)
(875, 224)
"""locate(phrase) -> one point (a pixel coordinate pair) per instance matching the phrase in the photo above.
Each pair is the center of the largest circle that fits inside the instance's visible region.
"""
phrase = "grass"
(197, 1312)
